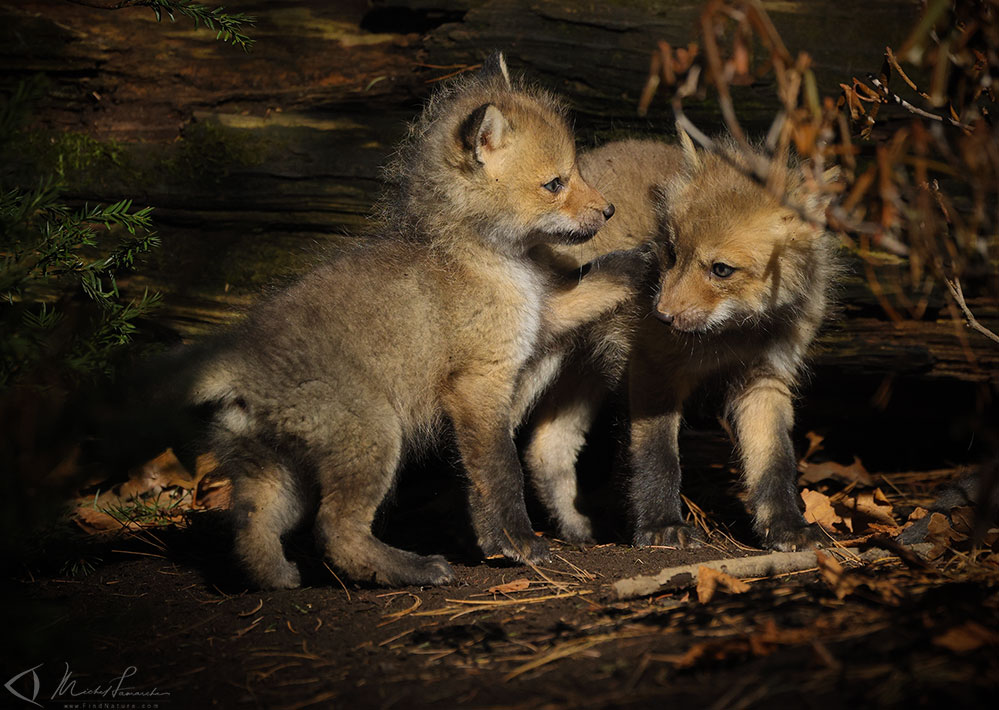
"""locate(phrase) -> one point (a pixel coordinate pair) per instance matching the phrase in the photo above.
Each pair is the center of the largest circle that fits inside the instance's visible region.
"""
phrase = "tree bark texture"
(256, 162)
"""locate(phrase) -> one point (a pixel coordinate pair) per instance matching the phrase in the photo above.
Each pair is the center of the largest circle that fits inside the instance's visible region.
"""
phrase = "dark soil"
(782, 642)
(169, 607)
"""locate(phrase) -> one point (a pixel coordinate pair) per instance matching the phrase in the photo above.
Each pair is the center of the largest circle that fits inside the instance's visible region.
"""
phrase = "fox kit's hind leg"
(268, 502)
(484, 434)
(354, 478)
(762, 415)
(560, 426)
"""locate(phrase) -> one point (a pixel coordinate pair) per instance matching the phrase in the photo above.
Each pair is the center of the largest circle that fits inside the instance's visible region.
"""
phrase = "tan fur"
(594, 360)
(751, 329)
(323, 391)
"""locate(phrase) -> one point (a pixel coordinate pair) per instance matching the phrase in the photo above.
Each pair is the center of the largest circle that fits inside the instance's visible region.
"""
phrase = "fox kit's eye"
(722, 270)
(554, 185)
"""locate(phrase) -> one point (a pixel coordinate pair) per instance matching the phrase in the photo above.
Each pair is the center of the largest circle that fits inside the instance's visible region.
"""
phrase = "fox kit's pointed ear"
(484, 131)
(815, 198)
(495, 65)
(690, 156)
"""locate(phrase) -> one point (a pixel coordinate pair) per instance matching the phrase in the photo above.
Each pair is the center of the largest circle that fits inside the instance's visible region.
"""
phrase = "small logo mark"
(34, 692)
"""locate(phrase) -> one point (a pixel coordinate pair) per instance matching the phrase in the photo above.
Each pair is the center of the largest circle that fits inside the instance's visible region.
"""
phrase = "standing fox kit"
(322, 391)
(742, 291)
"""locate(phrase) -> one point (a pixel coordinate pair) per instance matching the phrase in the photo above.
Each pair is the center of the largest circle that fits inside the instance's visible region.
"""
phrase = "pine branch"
(44, 240)
(228, 27)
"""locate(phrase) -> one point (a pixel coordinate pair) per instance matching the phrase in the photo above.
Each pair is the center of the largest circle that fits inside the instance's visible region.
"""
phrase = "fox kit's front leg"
(762, 416)
(597, 288)
(479, 405)
(654, 485)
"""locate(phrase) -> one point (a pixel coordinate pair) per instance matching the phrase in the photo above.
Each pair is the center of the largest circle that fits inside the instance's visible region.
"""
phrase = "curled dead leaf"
(852, 473)
(871, 506)
(819, 509)
(940, 530)
(709, 580)
(967, 637)
(814, 446)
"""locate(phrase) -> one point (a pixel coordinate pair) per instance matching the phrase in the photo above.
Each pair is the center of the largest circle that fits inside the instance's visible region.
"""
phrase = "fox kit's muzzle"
(589, 225)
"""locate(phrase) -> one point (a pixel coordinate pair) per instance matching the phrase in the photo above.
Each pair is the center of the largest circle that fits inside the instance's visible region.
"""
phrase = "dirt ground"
(166, 606)
(564, 642)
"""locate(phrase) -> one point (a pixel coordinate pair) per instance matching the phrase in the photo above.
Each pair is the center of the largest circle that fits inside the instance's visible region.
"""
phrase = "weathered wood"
(255, 161)
(775, 563)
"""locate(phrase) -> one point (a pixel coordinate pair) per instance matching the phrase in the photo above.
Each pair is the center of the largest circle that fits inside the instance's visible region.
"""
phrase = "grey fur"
(757, 347)
(323, 391)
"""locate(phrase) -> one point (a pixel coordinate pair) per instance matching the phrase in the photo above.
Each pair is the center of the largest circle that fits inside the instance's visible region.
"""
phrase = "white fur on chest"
(530, 290)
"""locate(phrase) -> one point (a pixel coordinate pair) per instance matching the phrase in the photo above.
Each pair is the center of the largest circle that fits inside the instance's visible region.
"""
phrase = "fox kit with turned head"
(323, 390)
(743, 288)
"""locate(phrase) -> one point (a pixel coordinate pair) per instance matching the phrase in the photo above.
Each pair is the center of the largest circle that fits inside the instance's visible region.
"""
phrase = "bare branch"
(889, 94)
(954, 286)
(772, 564)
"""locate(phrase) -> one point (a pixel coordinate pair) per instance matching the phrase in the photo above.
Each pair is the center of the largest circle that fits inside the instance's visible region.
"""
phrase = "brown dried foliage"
(919, 175)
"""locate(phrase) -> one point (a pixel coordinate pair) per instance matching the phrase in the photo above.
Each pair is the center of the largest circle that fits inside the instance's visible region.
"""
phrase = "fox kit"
(594, 360)
(322, 391)
(742, 290)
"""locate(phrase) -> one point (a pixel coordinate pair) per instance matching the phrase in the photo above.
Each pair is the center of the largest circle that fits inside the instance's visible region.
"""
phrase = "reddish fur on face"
(537, 150)
(718, 218)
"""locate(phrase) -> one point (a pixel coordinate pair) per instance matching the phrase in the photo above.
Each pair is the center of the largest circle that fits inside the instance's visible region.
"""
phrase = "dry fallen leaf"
(517, 585)
(940, 530)
(830, 569)
(769, 636)
(95, 521)
(708, 581)
(164, 471)
(963, 520)
(814, 445)
(853, 473)
(967, 637)
(819, 509)
(874, 505)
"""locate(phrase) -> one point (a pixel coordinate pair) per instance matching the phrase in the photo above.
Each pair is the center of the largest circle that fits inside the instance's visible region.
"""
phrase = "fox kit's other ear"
(495, 65)
(690, 156)
(484, 131)
(817, 198)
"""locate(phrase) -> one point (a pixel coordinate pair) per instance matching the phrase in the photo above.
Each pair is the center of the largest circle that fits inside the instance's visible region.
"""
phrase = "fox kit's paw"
(522, 549)
(679, 535)
(433, 570)
(633, 264)
(417, 570)
(278, 576)
(578, 530)
(789, 539)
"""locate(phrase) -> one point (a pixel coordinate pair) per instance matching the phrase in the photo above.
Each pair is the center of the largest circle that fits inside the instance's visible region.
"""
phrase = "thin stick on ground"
(345, 590)
(745, 567)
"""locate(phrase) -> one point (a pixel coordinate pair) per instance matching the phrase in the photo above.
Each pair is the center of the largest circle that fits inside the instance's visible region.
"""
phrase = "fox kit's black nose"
(608, 211)
(664, 317)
